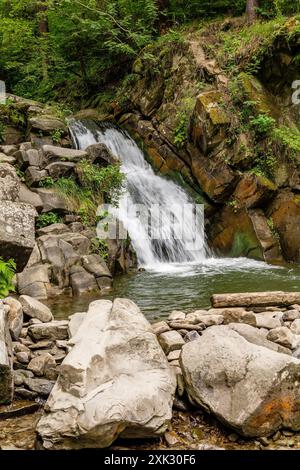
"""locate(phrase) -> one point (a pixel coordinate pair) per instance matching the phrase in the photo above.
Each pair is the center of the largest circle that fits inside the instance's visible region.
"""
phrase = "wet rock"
(283, 336)
(22, 392)
(57, 329)
(123, 370)
(17, 230)
(250, 388)
(14, 317)
(170, 341)
(99, 153)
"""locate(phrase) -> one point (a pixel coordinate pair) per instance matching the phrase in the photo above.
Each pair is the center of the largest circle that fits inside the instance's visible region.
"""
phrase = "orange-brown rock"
(244, 232)
(253, 191)
(284, 212)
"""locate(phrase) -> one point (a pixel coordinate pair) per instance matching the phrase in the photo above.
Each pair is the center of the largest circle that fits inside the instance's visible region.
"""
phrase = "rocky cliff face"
(226, 126)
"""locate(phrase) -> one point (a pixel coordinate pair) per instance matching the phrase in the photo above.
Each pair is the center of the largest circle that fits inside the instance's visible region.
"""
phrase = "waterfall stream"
(165, 226)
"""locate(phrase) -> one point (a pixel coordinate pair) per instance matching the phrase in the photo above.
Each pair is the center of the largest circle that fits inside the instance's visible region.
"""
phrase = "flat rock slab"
(258, 299)
(116, 381)
(18, 408)
(57, 329)
(250, 388)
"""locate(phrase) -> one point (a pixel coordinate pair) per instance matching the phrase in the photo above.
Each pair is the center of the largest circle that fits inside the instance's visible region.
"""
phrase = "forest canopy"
(51, 46)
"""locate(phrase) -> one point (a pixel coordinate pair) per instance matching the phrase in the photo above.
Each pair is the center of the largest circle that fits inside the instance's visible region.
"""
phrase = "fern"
(7, 272)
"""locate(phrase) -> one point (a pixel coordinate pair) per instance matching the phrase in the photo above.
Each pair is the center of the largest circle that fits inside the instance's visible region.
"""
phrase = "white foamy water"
(177, 251)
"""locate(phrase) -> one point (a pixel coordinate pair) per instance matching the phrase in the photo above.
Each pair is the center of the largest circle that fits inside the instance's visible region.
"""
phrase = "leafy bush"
(7, 272)
(46, 219)
(262, 124)
(99, 247)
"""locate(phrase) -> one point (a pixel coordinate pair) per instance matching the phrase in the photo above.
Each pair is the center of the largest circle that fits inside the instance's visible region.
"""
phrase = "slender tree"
(251, 10)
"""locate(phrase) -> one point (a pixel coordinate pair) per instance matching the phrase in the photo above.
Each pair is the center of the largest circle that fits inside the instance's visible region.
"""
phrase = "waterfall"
(176, 233)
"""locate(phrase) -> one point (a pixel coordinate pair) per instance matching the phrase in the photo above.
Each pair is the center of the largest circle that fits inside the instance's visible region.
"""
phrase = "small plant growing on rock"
(99, 247)
(56, 136)
(181, 131)
(49, 218)
(7, 272)
(262, 124)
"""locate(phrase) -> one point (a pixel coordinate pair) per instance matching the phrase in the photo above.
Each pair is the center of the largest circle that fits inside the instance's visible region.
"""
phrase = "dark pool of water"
(188, 287)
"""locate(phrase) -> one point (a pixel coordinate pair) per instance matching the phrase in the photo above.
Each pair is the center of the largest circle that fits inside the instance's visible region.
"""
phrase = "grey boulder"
(116, 381)
(250, 388)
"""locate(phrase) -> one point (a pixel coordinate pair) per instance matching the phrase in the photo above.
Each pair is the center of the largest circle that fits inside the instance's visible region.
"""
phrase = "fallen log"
(255, 299)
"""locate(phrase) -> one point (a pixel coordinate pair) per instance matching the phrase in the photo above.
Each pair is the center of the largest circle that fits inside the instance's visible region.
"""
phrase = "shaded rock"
(57, 329)
(99, 153)
(285, 214)
(191, 336)
(250, 388)
(59, 169)
(244, 232)
(8, 149)
(42, 387)
(253, 191)
(34, 282)
(114, 351)
(170, 340)
(24, 393)
(81, 281)
(14, 317)
(17, 231)
(33, 175)
(35, 309)
(80, 243)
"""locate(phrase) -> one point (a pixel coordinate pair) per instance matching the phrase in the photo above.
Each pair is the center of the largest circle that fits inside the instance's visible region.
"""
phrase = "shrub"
(7, 272)
(262, 124)
(49, 218)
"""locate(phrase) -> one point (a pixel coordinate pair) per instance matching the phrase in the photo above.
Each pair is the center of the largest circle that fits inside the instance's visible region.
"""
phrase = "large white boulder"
(116, 381)
(248, 387)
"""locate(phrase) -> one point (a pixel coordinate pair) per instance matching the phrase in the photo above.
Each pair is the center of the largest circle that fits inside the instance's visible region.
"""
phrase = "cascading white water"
(177, 229)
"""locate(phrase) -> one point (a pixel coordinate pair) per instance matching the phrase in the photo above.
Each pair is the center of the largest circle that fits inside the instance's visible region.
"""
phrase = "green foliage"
(7, 272)
(56, 136)
(47, 182)
(262, 124)
(184, 10)
(87, 42)
(289, 137)
(46, 219)
(265, 164)
(95, 185)
(181, 130)
(2, 132)
(99, 247)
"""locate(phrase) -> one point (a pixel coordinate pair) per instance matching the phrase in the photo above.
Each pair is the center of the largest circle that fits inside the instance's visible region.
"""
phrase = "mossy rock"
(256, 93)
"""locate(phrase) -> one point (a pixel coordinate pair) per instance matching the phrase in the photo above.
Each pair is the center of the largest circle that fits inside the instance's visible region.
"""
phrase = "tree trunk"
(251, 10)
